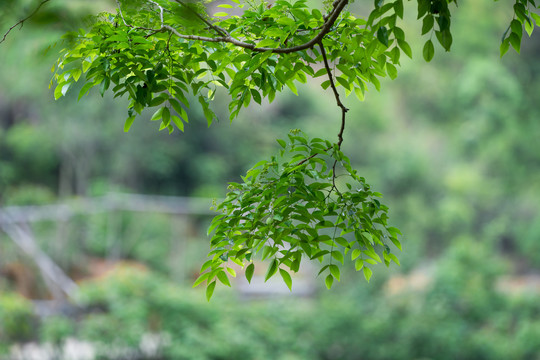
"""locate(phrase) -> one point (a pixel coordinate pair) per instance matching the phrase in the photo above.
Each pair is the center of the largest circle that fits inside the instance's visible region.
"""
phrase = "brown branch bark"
(336, 94)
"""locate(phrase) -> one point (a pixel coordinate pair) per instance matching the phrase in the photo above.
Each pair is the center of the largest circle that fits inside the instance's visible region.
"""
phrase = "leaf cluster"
(305, 203)
(152, 57)
(524, 17)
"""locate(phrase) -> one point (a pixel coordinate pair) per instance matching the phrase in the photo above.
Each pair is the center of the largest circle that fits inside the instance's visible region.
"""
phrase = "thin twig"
(160, 11)
(218, 29)
(21, 22)
(336, 95)
(311, 156)
(122, 15)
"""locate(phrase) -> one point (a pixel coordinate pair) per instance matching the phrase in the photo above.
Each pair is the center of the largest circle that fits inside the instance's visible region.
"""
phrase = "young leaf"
(231, 271)
(157, 115)
(128, 123)
(403, 45)
(249, 272)
(286, 277)
(166, 115)
(359, 264)
(206, 265)
(391, 70)
(222, 276)
(210, 290)
(178, 122)
(394, 259)
(367, 273)
(200, 279)
(329, 281)
(334, 270)
(396, 243)
(505, 45)
(338, 256)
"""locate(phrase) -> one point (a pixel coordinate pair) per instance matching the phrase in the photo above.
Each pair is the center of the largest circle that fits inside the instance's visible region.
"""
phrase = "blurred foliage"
(16, 319)
(56, 329)
(29, 195)
(460, 312)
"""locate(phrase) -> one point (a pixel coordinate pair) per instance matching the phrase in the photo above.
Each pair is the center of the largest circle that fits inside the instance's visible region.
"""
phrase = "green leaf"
(166, 115)
(394, 258)
(286, 278)
(343, 82)
(515, 41)
(359, 93)
(207, 264)
(428, 51)
(210, 290)
(290, 85)
(382, 35)
(334, 270)
(338, 256)
(445, 39)
(249, 272)
(231, 271)
(158, 100)
(201, 279)
(398, 8)
(505, 45)
(396, 242)
(372, 254)
(282, 143)
(329, 281)
(391, 70)
(529, 27)
(61, 90)
(84, 90)
(394, 231)
(256, 96)
(517, 28)
(222, 276)
(536, 17)
(178, 122)
(272, 269)
(427, 24)
(342, 241)
(104, 86)
(157, 115)
(367, 273)
(128, 123)
(359, 264)
(403, 45)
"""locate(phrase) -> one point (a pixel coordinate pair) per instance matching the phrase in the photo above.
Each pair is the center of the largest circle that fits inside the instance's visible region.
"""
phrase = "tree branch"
(21, 22)
(336, 94)
(225, 37)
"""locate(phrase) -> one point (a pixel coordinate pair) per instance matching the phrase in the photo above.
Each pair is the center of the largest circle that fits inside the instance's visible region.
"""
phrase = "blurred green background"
(453, 145)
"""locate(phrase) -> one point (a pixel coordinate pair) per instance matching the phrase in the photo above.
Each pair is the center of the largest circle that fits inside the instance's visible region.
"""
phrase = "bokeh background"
(103, 232)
